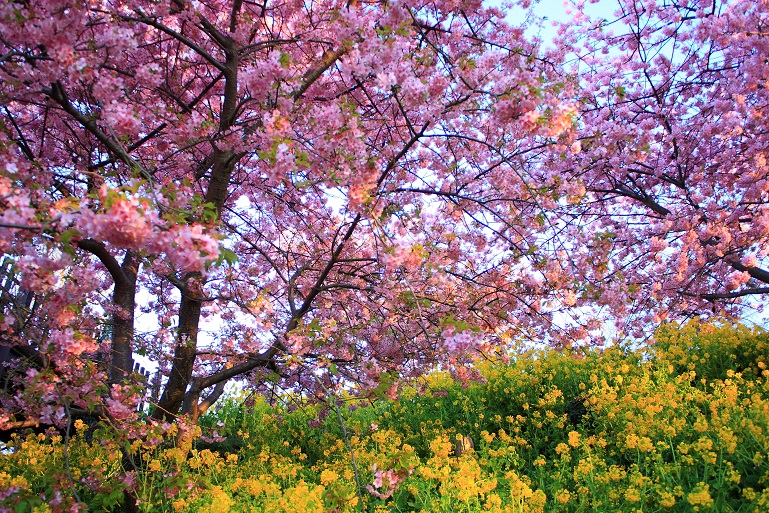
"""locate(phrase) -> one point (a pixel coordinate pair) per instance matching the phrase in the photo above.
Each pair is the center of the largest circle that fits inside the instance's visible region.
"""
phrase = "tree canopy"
(322, 194)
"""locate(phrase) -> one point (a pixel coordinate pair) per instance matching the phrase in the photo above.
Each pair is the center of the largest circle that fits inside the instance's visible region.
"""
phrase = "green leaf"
(386, 380)
(458, 324)
(66, 236)
(412, 301)
(302, 159)
(209, 214)
(229, 256)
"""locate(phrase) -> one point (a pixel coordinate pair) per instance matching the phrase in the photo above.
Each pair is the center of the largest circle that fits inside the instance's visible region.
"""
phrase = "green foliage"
(680, 426)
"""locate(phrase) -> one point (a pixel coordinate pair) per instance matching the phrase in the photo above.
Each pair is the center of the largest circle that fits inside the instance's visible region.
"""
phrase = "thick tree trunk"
(222, 165)
(189, 312)
(121, 361)
(124, 298)
(184, 357)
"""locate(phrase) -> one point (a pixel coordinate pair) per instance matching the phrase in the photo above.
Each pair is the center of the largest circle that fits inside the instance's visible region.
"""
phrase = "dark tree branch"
(736, 294)
(99, 250)
(754, 272)
(147, 20)
(57, 94)
(313, 74)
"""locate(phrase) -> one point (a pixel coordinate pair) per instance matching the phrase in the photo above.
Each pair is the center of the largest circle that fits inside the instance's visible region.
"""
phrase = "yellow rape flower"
(220, 501)
(667, 499)
(195, 462)
(441, 447)
(208, 458)
(493, 502)
(645, 444)
(700, 497)
(328, 476)
(519, 490)
(563, 496)
(299, 499)
(632, 494)
(584, 468)
(20, 482)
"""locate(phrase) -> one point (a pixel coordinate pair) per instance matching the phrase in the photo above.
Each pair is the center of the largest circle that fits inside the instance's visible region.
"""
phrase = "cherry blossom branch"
(641, 198)
(326, 61)
(147, 20)
(21, 141)
(252, 245)
(316, 288)
(253, 361)
(733, 295)
(223, 41)
(266, 358)
(99, 250)
(57, 93)
(186, 107)
(345, 286)
(191, 405)
(754, 272)
(29, 352)
(212, 397)
(270, 43)
(12, 53)
(236, 5)
(29, 227)
(18, 425)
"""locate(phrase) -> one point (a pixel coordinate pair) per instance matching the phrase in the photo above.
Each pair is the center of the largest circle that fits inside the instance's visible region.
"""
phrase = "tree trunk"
(222, 165)
(184, 357)
(124, 298)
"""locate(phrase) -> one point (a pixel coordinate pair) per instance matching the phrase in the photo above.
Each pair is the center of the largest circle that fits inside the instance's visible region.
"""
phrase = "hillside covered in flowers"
(682, 427)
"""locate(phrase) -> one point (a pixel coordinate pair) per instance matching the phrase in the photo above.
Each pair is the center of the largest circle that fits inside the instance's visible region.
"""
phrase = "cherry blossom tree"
(308, 194)
(321, 194)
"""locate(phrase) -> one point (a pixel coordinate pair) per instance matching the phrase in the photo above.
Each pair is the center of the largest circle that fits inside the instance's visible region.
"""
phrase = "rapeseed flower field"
(682, 425)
